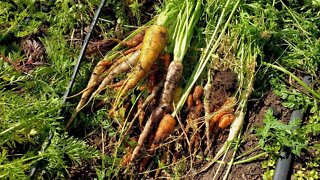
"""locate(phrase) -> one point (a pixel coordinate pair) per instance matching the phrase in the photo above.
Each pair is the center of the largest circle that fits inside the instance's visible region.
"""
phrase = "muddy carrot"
(207, 110)
(122, 67)
(165, 128)
(172, 80)
(132, 49)
(226, 120)
(154, 42)
(190, 101)
(137, 39)
(166, 60)
(197, 93)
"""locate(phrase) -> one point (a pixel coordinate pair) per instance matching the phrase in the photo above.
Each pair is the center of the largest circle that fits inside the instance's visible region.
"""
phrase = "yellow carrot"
(154, 42)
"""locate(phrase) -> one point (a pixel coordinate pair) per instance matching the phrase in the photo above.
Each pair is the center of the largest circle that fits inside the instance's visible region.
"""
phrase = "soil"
(254, 118)
(224, 84)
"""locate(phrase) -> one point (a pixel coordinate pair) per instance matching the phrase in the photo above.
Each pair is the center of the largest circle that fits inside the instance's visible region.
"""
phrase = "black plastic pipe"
(47, 143)
(285, 160)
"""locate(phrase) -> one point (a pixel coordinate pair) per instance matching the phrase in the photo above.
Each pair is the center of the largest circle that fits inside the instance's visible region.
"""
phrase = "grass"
(281, 37)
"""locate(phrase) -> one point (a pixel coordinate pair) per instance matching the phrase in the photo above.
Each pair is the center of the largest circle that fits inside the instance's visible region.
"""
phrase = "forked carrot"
(124, 64)
(154, 42)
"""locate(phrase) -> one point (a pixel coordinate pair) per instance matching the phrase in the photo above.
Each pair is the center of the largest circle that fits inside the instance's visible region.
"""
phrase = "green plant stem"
(315, 94)
(248, 152)
(251, 158)
(9, 129)
(23, 160)
(204, 60)
(233, 157)
(248, 160)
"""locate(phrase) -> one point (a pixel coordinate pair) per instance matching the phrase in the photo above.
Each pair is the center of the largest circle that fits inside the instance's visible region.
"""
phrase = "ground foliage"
(31, 91)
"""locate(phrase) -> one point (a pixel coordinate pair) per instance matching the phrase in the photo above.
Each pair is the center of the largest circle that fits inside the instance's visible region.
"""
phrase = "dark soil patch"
(224, 84)
(255, 115)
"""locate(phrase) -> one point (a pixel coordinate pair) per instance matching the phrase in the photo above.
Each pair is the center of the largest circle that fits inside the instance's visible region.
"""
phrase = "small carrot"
(190, 101)
(138, 47)
(218, 116)
(197, 92)
(165, 128)
(226, 120)
(137, 39)
(166, 60)
(126, 158)
(104, 63)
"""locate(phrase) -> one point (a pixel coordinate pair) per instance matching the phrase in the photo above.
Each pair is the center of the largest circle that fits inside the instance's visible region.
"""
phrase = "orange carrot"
(197, 93)
(104, 63)
(132, 49)
(218, 116)
(166, 60)
(190, 101)
(137, 39)
(226, 120)
(165, 128)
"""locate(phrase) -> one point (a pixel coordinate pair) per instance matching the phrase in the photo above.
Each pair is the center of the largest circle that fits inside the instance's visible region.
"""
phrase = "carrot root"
(207, 110)
(172, 80)
(153, 119)
(154, 42)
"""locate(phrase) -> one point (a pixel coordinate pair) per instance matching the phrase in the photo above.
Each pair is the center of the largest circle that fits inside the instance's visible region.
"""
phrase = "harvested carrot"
(226, 120)
(121, 68)
(138, 47)
(146, 102)
(218, 115)
(137, 39)
(193, 119)
(166, 60)
(207, 110)
(126, 63)
(154, 118)
(165, 128)
(154, 42)
(197, 93)
(106, 63)
(98, 75)
(172, 80)
(117, 84)
(190, 101)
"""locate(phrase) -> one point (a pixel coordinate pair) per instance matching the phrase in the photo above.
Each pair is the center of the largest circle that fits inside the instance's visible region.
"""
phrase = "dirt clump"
(224, 85)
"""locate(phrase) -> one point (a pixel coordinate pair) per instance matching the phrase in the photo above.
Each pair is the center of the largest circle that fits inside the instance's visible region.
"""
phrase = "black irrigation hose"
(47, 143)
(285, 160)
